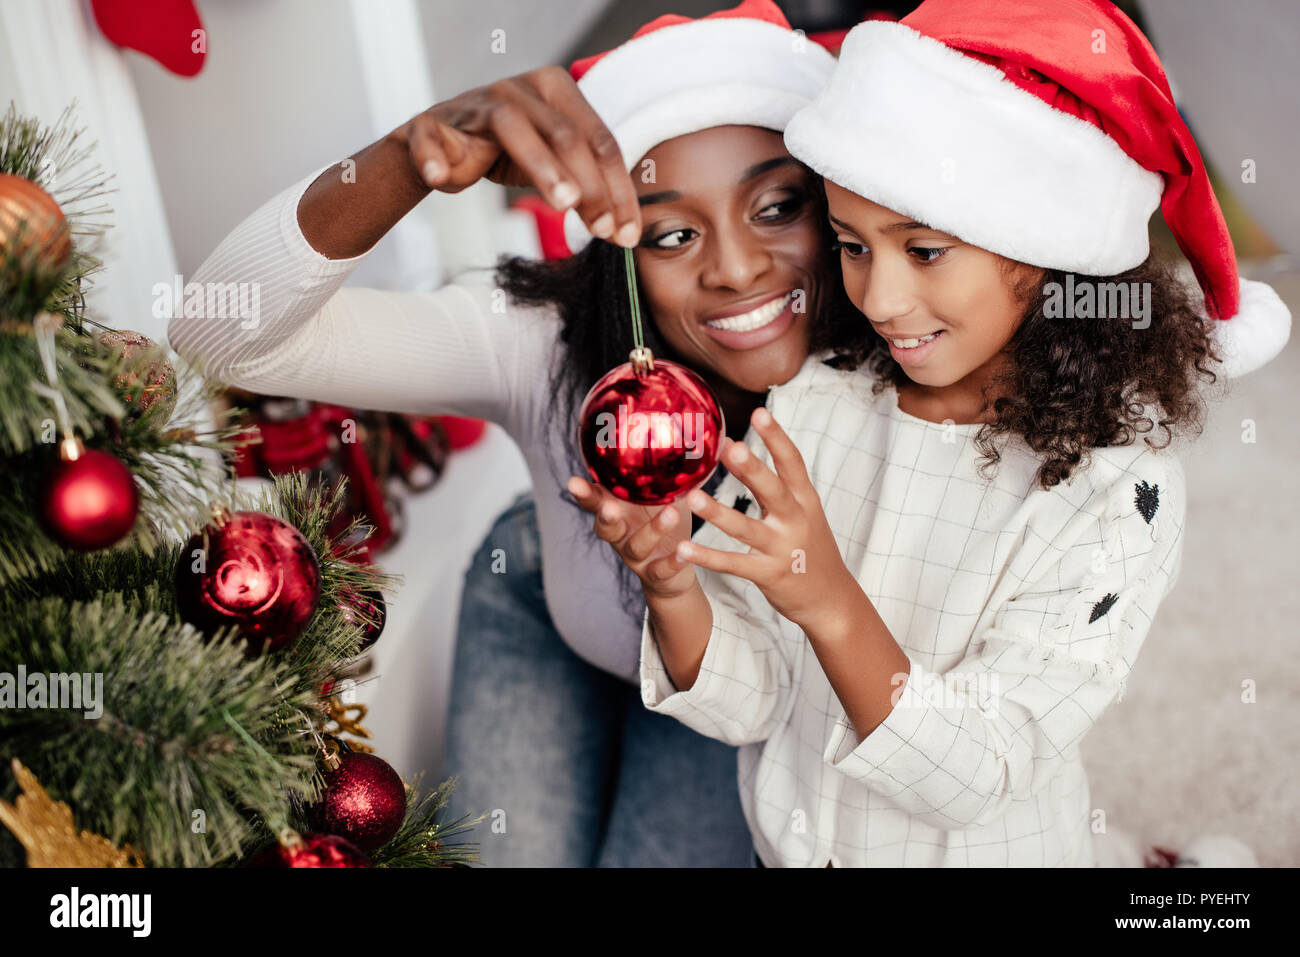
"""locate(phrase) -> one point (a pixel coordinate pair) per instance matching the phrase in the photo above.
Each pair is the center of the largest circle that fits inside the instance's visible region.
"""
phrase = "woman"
(734, 271)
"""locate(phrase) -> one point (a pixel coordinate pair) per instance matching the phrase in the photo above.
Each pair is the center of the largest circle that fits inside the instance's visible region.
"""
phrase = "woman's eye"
(781, 209)
(928, 254)
(851, 250)
(671, 240)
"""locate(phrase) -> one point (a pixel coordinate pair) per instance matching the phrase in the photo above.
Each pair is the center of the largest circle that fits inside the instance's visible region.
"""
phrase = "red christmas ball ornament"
(367, 611)
(364, 800)
(89, 499)
(251, 570)
(650, 430)
(312, 850)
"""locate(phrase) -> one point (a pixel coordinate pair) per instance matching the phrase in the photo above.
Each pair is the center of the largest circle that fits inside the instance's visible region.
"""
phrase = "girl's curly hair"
(1071, 385)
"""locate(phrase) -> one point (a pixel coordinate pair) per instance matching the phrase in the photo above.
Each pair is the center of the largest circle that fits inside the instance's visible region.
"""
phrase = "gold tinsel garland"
(45, 827)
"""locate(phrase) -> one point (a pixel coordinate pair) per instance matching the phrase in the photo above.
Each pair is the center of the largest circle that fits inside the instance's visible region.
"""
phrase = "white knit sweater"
(461, 350)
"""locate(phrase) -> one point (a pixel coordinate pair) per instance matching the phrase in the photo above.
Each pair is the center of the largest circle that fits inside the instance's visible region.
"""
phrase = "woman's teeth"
(755, 318)
(913, 343)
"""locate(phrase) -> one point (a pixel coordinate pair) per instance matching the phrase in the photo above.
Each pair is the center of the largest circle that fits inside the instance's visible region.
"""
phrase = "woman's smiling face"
(733, 253)
(912, 281)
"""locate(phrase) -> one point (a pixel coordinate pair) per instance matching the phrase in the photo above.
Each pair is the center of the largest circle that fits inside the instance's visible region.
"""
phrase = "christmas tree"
(170, 650)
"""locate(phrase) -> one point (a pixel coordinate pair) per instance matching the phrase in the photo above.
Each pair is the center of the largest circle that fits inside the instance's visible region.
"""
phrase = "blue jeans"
(571, 767)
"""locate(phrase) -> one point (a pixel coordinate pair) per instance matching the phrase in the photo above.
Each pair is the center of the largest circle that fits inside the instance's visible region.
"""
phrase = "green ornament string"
(641, 357)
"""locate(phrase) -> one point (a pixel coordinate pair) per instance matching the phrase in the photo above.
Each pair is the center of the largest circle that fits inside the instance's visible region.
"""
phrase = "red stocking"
(162, 29)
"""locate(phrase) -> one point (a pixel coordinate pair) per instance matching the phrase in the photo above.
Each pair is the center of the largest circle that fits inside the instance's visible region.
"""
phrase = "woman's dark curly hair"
(1076, 384)
(589, 292)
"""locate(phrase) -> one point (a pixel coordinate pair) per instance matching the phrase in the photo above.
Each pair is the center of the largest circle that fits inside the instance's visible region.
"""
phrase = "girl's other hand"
(793, 556)
(645, 537)
(535, 129)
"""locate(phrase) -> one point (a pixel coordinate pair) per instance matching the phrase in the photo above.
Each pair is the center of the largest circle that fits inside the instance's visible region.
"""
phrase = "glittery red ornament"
(364, 801)
(88, 500)
(368, 611)
(254, 571)
(312, 850)
(650, 436)
(149, 381)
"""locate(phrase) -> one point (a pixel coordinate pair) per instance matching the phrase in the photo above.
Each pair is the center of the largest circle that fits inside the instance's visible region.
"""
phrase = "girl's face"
(733, 253)
(913, 282)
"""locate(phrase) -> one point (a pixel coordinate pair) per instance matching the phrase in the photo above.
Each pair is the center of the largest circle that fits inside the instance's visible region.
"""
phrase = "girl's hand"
(645, 537)
(535, 129)
(793, 557)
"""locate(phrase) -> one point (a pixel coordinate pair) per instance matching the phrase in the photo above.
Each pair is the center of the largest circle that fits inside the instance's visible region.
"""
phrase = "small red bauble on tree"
(366, 610)
(89, 499)
(251, 570)
(650, 430)
(311, 850)
(364, 800)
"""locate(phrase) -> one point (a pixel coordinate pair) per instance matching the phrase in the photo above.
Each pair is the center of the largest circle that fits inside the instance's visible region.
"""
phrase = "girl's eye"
(851, 250)
(670, 240)
(928, 254)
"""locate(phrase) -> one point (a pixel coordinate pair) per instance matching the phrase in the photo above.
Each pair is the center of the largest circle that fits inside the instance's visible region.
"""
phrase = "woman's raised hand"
(645, 537)
(538, 130)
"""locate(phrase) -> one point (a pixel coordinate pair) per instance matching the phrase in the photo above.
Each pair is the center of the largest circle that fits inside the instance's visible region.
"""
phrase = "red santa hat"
(741, 67)
(1044, 131)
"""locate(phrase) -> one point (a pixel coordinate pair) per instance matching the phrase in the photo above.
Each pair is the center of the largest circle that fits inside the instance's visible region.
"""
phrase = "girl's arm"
(711, 653)
(796, 562)
(956, 748)
(645, 539)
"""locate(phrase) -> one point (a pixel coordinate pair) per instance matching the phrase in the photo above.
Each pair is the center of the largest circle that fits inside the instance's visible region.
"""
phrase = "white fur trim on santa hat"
(1256, 334)
(930, 133)
(692, 76)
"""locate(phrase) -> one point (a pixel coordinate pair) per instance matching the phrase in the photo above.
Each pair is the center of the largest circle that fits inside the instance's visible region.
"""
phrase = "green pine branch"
(166, 766)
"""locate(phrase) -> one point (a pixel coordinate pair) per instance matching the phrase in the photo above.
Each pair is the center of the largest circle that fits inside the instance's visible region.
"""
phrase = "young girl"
(958, 550)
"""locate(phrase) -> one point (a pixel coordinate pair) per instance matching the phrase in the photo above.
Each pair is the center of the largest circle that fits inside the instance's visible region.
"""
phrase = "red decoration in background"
(364, 801)
(550, 225)
(88, 502)
(256, 572)
(462, 432)
(379, 453)
(161, 29)
(634, 430)
(312, 850)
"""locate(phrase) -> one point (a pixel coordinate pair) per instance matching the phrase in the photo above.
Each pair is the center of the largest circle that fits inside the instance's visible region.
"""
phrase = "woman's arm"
(531, 130)
(293, 329)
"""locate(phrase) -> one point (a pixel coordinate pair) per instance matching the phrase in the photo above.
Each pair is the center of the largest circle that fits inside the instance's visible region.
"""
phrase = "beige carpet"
(1182, 755)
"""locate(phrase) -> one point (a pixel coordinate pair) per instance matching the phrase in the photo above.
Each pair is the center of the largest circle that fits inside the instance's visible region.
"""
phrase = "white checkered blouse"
(1021, 610)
